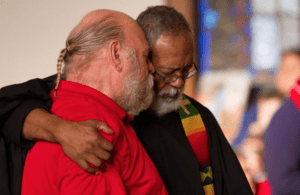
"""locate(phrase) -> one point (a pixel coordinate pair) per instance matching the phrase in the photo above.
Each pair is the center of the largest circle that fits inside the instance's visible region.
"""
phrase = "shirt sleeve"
(49, 171)
(282, 154)
(16, 101)
(75, 181)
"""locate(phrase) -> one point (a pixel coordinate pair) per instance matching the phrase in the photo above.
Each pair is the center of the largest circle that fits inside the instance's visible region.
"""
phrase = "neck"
(96, 76)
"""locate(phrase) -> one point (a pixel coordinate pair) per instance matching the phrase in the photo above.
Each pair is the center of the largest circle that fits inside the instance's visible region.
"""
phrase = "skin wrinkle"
(136, 96)
(170, 53)
(171, 41)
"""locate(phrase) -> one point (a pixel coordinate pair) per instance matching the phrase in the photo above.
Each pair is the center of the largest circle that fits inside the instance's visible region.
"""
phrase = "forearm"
(17, 101)
(40, 125)
(80, 140)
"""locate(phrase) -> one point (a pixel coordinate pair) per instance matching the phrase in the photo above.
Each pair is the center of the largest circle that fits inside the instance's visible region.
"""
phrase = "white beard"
(162, 106)
(137, 95)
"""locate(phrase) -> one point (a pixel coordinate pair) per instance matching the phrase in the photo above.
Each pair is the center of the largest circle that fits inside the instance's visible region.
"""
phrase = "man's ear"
(115, 54)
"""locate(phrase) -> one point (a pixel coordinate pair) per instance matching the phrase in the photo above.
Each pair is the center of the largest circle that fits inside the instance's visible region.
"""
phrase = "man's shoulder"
(287, 117)
(287, 110)
(33, 84)
(200, 107)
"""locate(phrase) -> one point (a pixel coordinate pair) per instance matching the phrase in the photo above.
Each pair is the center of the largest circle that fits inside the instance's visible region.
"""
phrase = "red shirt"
(263, 188)
(49, 171)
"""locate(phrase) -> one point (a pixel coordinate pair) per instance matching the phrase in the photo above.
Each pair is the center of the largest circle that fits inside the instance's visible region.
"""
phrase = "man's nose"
(179, 83)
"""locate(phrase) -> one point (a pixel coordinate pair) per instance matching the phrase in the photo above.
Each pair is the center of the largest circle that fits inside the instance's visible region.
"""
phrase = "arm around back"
(16, 101)
(25, 114)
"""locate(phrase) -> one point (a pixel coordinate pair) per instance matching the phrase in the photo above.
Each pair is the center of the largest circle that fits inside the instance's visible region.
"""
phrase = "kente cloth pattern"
(196, 133)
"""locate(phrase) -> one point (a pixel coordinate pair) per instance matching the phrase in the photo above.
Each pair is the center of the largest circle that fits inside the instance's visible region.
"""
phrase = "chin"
(162, 106)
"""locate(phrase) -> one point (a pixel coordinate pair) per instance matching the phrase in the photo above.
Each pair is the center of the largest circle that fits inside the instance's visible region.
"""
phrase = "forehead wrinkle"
(175, 66)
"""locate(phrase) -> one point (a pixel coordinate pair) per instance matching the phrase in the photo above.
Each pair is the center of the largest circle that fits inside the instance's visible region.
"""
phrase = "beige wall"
(33, 32)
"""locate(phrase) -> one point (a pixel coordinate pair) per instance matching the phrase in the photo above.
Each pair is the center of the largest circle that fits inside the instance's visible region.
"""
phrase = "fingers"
(105, 145)
(94, 138)
(89, 166)
(95, 150)
(93, 160)
(85, 145)
(102, 154)
(84, 165)
(104, 127)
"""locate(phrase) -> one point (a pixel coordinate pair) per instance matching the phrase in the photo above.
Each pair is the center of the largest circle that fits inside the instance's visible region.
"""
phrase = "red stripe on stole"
(199, 144)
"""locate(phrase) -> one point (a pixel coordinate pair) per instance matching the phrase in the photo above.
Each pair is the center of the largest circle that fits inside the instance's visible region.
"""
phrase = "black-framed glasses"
(184, 75)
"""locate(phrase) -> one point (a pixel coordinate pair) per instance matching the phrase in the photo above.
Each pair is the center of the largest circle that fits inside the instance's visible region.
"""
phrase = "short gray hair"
(158, 20)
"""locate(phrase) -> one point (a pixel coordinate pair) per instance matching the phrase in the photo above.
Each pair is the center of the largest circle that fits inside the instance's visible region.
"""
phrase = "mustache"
(172, 92)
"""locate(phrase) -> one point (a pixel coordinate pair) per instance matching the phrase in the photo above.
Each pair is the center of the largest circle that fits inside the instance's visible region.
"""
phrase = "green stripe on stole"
(194, 128)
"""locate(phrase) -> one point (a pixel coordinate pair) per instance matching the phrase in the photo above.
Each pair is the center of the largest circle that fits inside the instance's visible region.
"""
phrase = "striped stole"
(196, 133)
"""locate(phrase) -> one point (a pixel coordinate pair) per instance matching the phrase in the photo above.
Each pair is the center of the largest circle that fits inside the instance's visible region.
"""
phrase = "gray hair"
(83, 42)
(158, 20)
(293, 50)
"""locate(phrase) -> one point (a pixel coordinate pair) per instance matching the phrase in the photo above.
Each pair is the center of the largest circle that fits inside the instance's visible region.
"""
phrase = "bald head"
(103, 51)
(100, 18)
(93, 32)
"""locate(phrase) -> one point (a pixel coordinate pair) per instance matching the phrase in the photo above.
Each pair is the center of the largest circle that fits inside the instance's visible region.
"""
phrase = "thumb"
(104, 127)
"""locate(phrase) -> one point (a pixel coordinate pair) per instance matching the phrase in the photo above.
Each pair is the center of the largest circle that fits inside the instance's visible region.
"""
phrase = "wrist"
(55, 128)
(38, 125)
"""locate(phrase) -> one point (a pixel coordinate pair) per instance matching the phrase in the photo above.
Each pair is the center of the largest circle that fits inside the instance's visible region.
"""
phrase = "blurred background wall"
(240, 45)
(249, 58)
(34, 32)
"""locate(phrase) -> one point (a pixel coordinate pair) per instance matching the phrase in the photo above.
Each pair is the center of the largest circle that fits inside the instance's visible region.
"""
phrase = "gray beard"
(162, 106)
(137, 95)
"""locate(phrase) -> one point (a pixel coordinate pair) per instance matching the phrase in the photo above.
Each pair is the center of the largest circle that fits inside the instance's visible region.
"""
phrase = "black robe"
(163, 138)
(16, 101)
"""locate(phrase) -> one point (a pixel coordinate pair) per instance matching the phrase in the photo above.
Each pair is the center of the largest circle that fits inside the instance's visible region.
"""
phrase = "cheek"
(142, 73)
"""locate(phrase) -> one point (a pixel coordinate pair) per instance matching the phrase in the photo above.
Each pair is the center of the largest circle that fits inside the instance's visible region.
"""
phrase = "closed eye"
(188, 67)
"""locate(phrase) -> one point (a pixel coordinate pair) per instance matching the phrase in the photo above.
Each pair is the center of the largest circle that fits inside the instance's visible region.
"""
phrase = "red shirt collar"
(86, 91)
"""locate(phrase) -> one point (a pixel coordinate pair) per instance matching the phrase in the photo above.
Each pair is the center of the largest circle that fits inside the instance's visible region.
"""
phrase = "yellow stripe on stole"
(208, 174)
(193, 125)
(209, 189)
